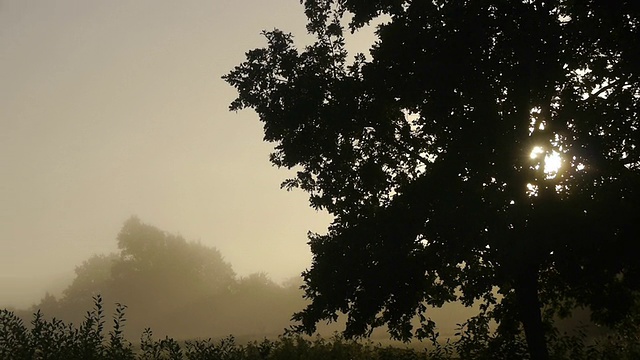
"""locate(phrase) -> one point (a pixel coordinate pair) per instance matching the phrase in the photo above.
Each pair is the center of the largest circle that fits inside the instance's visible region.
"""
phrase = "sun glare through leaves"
(552, 161)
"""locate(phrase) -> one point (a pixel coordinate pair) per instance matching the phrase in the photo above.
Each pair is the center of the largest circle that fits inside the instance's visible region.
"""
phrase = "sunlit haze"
(110, 109)
(552, 161)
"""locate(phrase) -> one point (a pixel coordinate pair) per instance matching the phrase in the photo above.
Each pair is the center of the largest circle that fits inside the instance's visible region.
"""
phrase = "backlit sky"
(116, 108)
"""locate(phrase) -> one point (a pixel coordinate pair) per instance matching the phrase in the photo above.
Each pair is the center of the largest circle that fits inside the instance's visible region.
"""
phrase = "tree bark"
(528, 302)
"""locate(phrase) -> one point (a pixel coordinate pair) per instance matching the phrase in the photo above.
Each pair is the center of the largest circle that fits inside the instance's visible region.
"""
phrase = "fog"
(115, 109)
(186, 290)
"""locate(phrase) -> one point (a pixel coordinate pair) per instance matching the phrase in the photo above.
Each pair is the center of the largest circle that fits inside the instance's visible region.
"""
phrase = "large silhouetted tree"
(482, 145)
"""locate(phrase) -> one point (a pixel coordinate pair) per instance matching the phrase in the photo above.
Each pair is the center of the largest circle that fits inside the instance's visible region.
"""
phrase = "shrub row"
(55, 340)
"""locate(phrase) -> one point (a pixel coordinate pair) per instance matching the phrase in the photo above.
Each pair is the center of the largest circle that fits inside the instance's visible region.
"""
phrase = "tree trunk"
(526, 288)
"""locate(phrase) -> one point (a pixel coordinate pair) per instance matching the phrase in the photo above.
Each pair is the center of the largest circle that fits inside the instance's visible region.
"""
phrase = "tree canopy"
(480, 145)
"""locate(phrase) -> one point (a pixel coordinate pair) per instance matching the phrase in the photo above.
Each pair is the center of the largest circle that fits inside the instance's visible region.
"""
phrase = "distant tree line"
(176, 287)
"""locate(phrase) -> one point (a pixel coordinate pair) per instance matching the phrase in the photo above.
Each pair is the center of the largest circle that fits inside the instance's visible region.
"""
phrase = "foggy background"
(114, 109)
(110, 109)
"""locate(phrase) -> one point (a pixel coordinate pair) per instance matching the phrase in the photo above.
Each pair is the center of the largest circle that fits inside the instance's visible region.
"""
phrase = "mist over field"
(109, 109)
(118, 108)
(185, 290)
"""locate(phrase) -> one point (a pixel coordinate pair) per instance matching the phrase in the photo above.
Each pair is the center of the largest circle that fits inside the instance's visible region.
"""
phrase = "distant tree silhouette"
(93, 277)
(177, 287)
(482, 145)
(154, 262)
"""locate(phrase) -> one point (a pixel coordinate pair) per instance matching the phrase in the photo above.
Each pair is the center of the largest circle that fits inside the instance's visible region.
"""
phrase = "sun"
(552, 160)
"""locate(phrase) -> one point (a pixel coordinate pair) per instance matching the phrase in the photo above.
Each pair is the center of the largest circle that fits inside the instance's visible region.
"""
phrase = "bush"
(53, 339)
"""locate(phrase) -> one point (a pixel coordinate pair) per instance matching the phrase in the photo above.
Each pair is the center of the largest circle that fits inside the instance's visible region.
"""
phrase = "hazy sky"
(116, 108)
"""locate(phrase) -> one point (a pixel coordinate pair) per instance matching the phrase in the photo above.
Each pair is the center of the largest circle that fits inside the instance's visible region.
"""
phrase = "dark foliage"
(54, 339)
(433, 155)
